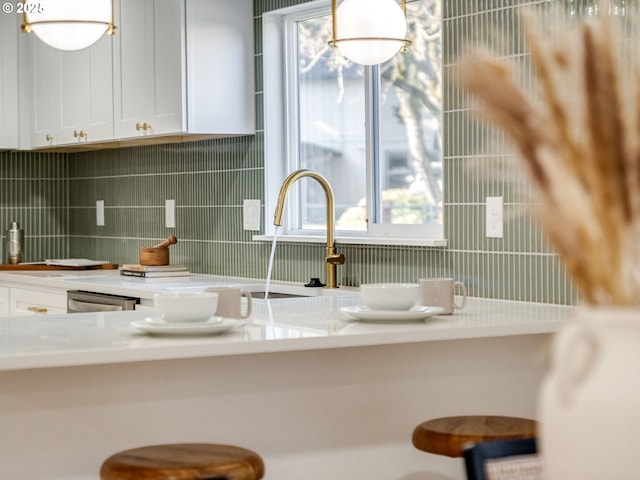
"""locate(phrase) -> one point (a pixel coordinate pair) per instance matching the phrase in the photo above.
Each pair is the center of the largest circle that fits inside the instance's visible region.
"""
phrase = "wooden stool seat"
(183, 461)
(449, 435)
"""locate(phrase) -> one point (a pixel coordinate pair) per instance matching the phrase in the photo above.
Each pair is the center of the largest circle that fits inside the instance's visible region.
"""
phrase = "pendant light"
(69, 24)
(369, 31)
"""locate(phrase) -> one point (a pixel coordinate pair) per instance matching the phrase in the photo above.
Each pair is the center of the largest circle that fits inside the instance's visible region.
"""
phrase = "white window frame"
(281, 149)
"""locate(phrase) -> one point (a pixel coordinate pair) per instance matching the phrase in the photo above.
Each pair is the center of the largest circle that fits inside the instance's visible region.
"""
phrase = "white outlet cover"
(170, 213)
(251, 214)
(495, 217)
(100, 213)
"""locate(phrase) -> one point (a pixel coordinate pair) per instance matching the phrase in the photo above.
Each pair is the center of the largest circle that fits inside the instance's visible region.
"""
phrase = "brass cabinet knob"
(37, 309)
(48, 137)
(80, 134)
(143, 126)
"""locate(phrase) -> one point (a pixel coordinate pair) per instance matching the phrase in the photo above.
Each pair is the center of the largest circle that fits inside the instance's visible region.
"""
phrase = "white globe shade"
(66, 30)
(372, 20)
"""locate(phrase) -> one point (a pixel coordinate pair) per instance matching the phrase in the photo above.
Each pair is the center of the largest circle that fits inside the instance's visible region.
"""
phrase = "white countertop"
(277, 325)
(111, 282)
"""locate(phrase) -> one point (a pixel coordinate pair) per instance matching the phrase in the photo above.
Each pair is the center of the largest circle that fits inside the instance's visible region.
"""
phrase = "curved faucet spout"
(328, 192)
(331, 257)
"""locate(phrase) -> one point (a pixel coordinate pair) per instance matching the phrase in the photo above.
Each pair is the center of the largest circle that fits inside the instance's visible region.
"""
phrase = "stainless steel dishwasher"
(80, 301)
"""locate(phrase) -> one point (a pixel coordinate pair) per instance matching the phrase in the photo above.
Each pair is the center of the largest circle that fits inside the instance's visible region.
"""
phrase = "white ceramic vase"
(589, 405)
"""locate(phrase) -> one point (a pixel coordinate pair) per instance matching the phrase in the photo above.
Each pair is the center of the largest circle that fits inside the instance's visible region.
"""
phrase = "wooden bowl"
(151, 256)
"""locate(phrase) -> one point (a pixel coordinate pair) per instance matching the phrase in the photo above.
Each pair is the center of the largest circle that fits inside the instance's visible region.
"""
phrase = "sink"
(296, 291)
(277, 295)
(258, 289)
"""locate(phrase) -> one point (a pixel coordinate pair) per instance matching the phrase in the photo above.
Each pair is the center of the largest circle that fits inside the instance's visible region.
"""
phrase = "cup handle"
(576, 360)
(248, 296)
(463, 290)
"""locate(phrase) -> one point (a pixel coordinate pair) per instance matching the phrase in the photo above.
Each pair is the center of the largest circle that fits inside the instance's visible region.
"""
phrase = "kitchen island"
(316, 394)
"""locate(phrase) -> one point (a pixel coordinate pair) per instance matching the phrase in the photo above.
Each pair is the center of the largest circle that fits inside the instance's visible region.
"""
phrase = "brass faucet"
(332, 259)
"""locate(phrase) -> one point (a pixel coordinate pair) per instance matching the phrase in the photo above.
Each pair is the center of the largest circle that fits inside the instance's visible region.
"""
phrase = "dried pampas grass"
(580, 148)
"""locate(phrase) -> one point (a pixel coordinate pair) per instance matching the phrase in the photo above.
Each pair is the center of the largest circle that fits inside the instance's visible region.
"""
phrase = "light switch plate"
(251, 214)
(100, 213)
(495, 217)
(170, 213)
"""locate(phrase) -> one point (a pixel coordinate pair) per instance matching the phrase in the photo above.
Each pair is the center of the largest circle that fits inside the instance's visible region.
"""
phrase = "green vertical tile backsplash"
(54, 195)
(34, 191)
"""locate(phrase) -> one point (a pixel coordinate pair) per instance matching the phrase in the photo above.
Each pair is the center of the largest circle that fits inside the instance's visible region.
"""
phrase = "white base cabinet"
(4, 301)
(36, 300)
(27, 300)
(23, 301)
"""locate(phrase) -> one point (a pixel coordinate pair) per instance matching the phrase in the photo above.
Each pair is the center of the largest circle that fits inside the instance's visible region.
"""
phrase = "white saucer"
(365, 314)
(214, 325)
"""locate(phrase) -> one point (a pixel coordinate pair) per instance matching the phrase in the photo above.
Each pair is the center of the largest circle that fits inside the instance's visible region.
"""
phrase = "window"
(373, 132)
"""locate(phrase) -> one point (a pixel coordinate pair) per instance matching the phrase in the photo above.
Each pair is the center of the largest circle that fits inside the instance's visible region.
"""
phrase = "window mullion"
(294, 215)
(372, 148)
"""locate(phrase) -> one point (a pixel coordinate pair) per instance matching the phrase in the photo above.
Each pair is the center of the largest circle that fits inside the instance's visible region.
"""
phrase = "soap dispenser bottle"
(15, 243)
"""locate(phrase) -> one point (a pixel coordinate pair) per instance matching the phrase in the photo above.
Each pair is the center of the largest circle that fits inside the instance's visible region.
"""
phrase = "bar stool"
(184, 461)
(449, 435)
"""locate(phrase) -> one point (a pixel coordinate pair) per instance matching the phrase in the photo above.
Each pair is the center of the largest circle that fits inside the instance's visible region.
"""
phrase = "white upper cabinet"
(9, 120)
(149, 68)
(183, 67)
(71, 97)
(173, 68)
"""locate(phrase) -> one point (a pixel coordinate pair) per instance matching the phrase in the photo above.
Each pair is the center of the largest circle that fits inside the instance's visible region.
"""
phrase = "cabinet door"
(44, 72)
(8, 80)
(71, 97)
(149, 68)
(4, 301)
(220, 75)
(86, 93)
(25, 301)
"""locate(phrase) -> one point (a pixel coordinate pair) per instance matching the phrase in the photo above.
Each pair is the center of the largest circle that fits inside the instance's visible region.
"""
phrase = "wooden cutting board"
(32, 266)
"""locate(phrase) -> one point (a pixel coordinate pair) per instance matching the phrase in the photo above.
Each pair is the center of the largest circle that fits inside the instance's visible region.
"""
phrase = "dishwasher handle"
(81, 301)
(76, 306)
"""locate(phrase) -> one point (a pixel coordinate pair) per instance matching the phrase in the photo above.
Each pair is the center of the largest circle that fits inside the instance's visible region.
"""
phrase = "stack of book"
(147, 271)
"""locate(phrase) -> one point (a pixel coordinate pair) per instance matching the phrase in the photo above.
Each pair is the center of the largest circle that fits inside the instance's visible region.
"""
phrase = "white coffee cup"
(441, 292)
(185, 307)
(230, 302)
